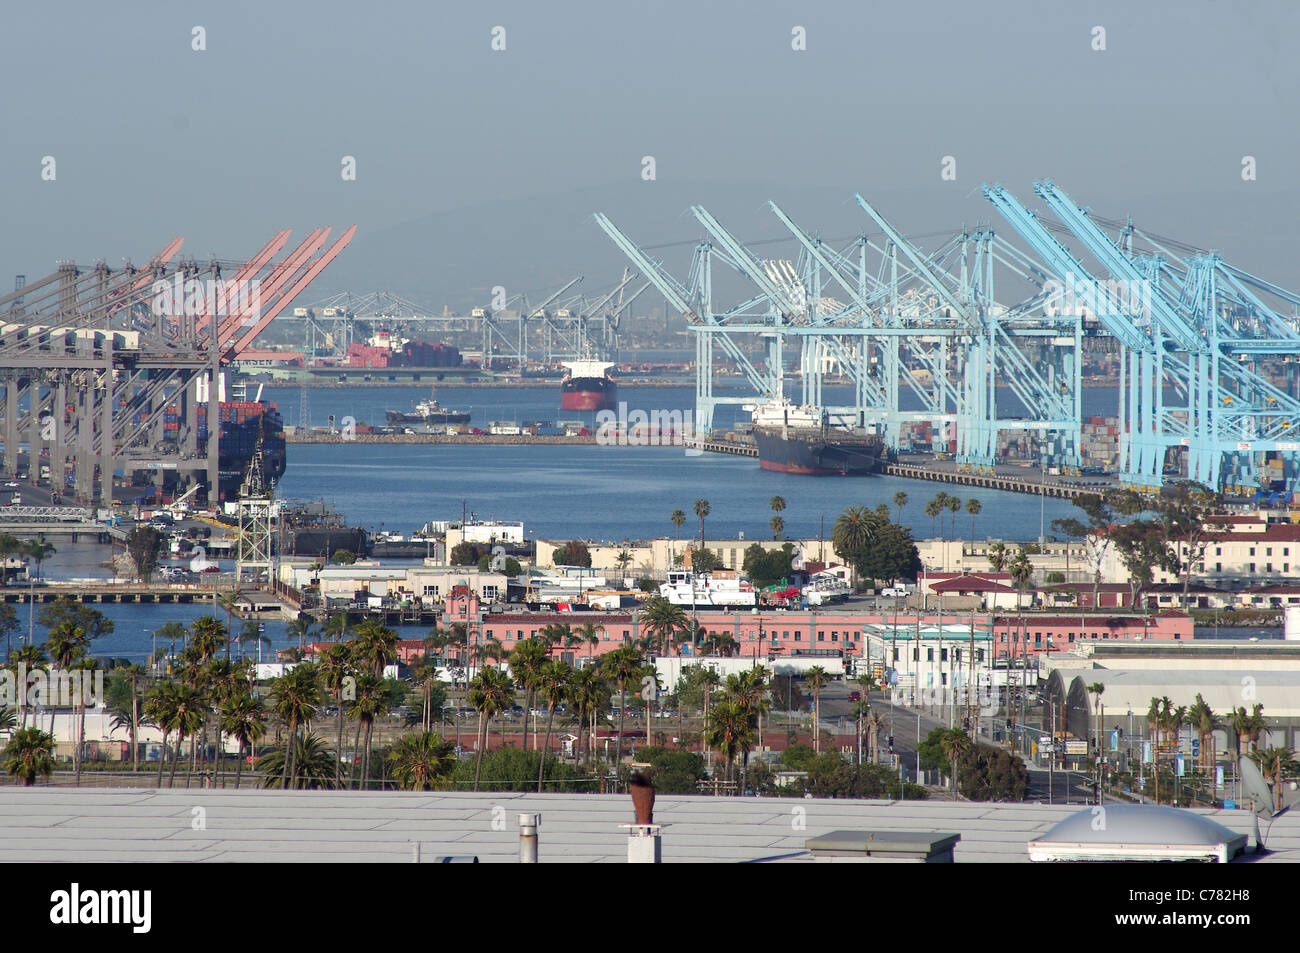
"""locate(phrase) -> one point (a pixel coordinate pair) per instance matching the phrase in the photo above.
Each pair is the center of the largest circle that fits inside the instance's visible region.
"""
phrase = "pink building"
(780, 632)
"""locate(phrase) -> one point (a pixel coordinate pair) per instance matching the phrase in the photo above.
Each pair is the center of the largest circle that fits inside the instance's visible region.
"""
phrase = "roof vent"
(1137, 832)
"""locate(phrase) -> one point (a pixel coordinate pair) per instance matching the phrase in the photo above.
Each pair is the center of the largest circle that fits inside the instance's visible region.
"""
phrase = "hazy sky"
(477, 167)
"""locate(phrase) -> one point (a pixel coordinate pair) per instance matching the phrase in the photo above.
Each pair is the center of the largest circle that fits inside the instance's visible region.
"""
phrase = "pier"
(1008, 478)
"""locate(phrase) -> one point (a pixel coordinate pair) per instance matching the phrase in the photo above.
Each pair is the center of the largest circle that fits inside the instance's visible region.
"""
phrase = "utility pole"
(1051, 758)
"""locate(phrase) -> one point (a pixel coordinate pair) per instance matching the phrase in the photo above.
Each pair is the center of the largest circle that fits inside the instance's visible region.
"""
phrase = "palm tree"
(815, 678)
(1205, 722)
(748, 689)
(243, 719)
(301, 628)
(1240, 725)
(677, 518)
(1096, 689)
(297, 696)
(250, 633)
(998, 557)
(875, 721)
(171, 631)
(1022, 572)
(176, 707)
(778, 524)
(374, 646)
(954, 743)
(526, 663)
(38, 551)
(28, 755)
(590, 634)
(900, 501)
(935, 509)
(662, 620)
(30, 658)
(207, 636)
(338, 675)
(624, 558)
(336, 626)
(370, 703)
(621, 666)
(553, 685)
(973, 507)
(67, 642)
(228, 601)
(133, 674)
(853, 530)
(490, 693)
(730, 730)
(313, 764)
(954, 507)
(422, 762)
(590, 695)
(1257, 725)
(701, 510)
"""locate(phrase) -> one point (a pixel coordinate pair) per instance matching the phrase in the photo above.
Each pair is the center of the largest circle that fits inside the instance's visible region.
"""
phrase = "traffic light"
(891, 744)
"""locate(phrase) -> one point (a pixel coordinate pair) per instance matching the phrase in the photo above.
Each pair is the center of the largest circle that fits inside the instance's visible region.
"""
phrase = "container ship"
(242, 424)
(794, 439)
(588, 386)
(428, 412)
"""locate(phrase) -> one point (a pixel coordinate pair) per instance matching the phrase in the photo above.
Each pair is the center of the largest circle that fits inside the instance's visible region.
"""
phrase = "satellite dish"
(1263, 799)
(1258, 791)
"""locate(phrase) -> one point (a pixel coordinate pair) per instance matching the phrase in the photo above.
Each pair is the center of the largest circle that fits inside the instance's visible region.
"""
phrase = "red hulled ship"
(588, 386)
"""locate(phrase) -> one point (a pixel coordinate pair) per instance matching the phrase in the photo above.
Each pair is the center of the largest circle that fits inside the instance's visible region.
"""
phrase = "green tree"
(729, 729)
(243, 719)
(854, 531)
(673, 770)
(705, 560)
(142, 545)
(490, 693)
(554, 682)
(702, 510)
(296, 696)
(621, 666)
(677, 518)
(28, 755)
(573, 553)
(973, 507)
(816, 679)
(312, 765)
(344, 557)
(934, 508)
(900, 501)
(662, 621)
(423, 762)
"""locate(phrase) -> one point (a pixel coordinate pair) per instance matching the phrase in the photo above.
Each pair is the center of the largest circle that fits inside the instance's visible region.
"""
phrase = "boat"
(428, 412)
(721, 587)
(825, 587)
(588, 386)
(800, 439)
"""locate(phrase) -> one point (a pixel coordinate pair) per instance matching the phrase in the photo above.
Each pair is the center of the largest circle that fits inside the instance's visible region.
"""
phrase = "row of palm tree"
(951, 504)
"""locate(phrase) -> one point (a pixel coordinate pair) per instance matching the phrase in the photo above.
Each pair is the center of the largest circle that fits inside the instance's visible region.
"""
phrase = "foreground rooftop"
(82, 825)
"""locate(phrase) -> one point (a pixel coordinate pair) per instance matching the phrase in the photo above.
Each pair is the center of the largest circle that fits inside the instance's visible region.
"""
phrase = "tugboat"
(799, 439)
(428, 412)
